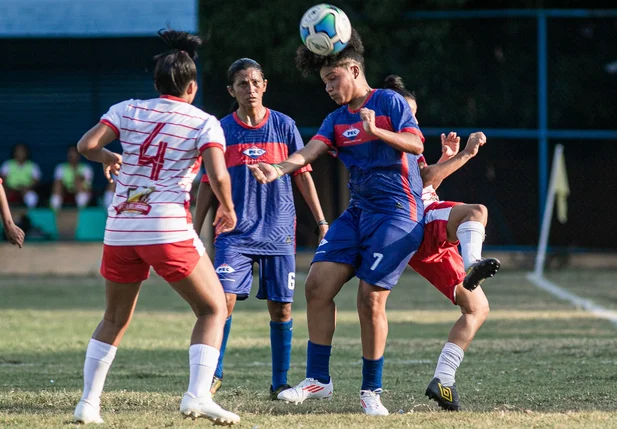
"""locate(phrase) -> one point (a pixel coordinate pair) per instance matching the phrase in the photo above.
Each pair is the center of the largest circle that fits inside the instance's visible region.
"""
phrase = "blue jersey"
(381, 178)
(266, 213)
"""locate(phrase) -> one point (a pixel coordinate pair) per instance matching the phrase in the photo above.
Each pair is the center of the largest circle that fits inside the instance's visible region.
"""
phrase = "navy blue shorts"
(377, 245)
(277, 274)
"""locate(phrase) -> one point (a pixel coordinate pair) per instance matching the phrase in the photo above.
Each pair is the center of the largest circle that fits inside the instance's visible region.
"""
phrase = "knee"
(478, 212)
(478, 309)
(314, 293)
(370, 306)
(280, 311)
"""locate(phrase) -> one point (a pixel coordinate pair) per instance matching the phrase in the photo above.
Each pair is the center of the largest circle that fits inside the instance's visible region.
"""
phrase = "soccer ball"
(325, 29)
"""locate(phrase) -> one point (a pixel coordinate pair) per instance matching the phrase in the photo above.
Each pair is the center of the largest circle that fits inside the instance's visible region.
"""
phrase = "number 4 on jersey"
(157, 160)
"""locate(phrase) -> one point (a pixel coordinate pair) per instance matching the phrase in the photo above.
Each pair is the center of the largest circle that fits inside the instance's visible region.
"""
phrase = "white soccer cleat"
(205, 407)
(371, 403)
(308, 389)
(87, 413)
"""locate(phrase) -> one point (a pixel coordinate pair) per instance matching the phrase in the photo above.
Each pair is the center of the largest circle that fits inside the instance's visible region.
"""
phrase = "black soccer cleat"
(446, 397)
(480, 271)
(274, 394)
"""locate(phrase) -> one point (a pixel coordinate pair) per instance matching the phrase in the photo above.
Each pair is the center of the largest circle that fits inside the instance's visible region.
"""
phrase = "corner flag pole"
(557, 180)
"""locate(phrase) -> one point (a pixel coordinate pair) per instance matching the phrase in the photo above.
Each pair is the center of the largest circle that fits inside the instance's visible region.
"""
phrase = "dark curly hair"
(396, 84)
(309, 62)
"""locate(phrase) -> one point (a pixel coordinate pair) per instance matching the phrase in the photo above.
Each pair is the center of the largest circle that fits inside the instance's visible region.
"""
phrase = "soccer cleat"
(275, 393)
(446, 397)
(205, 407)
(480, 271)
(216, 384)
(307, 389)
(371, 403)
(87, 413)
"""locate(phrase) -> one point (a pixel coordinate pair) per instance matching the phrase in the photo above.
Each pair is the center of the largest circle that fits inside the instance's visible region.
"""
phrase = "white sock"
(449, 360)
(82, 199)
(99, 357)
(471, 235)
(108, 198)
(31, 199)
(202, 361)
(55, 202)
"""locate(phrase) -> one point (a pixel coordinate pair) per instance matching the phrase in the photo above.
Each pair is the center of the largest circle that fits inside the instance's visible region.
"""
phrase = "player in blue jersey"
(266, 229)
(375, 135)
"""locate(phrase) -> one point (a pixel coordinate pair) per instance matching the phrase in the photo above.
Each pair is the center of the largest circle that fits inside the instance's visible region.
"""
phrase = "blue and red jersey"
(381, 178)
(266, 213)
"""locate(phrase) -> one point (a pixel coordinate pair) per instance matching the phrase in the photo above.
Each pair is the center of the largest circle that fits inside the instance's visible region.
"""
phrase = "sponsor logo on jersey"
(254, 152)
(224, 269)
(322, 242)
(136, 201)
(351, 132)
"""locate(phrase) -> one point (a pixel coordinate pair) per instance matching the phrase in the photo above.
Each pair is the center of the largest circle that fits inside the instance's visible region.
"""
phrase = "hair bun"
(394, 82)
(181, 41)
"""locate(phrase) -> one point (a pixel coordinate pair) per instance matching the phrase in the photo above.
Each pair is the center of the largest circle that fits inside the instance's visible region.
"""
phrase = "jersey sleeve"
(4, 169)
(113, 117)
(400, 114)
(58, 172)
(36, 172)
(326, 134)
(295, 143)
(211, 135)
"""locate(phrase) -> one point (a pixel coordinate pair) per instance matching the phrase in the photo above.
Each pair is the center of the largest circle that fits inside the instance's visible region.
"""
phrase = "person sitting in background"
(21, 176)
(72, 181)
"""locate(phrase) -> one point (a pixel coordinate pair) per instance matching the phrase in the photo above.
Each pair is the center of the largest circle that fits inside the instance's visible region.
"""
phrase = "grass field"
(537, 362)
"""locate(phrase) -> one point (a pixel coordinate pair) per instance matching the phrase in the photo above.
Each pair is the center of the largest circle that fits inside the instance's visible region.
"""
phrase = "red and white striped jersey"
(162, 140)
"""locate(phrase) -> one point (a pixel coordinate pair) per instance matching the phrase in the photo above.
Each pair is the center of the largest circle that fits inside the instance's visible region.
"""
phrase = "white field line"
(577, 301)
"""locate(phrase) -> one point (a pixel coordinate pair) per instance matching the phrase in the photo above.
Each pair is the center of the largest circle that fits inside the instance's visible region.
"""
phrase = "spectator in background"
(21, 176)
(72, 181)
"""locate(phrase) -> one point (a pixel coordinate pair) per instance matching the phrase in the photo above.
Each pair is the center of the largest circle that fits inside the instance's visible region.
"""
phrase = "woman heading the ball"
(149, 223)
(457, 275)
(375, 134)
(266, 231)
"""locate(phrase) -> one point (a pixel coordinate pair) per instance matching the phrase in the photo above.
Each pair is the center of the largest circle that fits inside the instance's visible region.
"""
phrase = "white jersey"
(162, 140)
(429, 195)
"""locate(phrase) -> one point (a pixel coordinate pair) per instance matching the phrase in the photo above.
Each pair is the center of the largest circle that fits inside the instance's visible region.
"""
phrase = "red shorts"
(438, 260)
(131, 264)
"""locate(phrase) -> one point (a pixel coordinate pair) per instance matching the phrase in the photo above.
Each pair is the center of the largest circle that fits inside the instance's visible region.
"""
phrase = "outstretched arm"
(266, 173)
(434, 174)
(12, 231)
(306, 186)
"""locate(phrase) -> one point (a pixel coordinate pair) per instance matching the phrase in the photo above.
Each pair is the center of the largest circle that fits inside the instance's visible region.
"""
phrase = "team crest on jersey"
(224, 269)
(136, 201)
(254, 152)
(351, 132)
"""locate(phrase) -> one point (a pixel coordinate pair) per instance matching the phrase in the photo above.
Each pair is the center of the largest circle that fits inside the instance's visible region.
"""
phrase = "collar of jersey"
(363, 104)
(247, 126)
(171, 97)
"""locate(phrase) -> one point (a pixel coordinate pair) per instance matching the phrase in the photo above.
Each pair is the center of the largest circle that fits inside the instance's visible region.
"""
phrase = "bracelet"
(320, 223)
(279, 170)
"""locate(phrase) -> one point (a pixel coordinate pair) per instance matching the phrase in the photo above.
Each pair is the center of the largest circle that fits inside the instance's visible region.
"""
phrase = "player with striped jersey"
(456, 275)
(375, 136)
(266, 231)
(149, 224)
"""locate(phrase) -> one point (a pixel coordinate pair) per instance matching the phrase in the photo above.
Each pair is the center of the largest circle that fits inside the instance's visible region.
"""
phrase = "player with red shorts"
(149, 223)
(457, 275)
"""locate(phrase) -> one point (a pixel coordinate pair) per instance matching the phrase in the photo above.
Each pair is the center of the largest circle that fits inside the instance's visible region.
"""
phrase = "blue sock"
(280, 346)
(371, 373)
(219, 367)
(318, 362)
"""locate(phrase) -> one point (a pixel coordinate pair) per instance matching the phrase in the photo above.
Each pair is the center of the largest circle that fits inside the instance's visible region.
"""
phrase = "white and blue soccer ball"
(325, 29)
